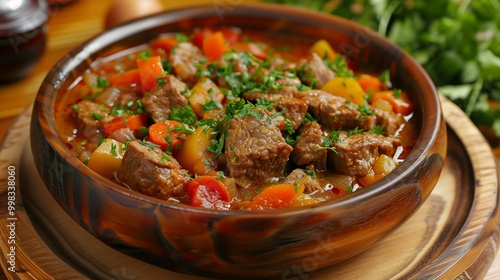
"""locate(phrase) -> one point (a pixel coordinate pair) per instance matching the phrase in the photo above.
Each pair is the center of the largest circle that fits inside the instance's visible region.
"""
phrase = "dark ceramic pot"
(243, 244)
(22, 37)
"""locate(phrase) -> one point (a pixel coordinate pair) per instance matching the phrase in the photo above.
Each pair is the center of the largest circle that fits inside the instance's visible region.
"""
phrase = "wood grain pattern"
(453, 235)
(72, 24)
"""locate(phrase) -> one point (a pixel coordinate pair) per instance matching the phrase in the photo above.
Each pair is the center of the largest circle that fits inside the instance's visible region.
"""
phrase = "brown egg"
(122, 11)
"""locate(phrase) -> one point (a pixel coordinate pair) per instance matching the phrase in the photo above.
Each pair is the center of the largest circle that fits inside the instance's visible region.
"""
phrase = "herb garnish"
(149, 144)
(184, 115)
(309, 118)
(365, 111)
(354, 131)
(210, 105)
(102, 82)
(113, 150)
(289, 139)
(378, 129)
(339, 67)
(311, 173)
(96, 116)
(332, 137)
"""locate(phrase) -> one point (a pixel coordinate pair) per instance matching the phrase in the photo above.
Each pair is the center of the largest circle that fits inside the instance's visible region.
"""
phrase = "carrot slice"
(206, 191)
(163, 134)
(149, 70)
(164, 43)
(276, 197)
(232, 35)
(214, 45)
(125, 79)
(133, 122)
(370, 83)
(370, 178)
(401, 104)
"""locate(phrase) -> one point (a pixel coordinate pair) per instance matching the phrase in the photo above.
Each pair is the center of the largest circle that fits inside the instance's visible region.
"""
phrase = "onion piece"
(341, 181)
(85, 155)
(90, 79)
(109, 96)
(123, 135)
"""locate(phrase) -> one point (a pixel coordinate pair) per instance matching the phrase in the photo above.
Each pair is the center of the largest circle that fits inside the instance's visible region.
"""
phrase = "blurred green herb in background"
(456, 41)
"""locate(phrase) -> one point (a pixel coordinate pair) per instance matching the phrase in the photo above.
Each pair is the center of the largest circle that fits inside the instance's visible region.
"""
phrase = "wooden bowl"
(244, 244)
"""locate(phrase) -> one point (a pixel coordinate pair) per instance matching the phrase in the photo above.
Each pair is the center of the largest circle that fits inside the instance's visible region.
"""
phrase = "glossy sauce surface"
(282, 58)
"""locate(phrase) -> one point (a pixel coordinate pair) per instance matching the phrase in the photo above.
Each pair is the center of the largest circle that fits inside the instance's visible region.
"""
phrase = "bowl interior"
(360, 46)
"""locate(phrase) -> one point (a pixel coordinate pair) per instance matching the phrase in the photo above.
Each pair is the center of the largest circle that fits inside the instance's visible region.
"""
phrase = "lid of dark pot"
(20, 16)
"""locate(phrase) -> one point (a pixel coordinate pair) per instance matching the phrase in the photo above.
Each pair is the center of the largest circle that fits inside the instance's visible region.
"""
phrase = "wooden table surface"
(70, 25)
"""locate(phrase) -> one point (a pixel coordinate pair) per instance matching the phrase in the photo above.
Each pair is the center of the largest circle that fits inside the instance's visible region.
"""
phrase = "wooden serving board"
(454, 234)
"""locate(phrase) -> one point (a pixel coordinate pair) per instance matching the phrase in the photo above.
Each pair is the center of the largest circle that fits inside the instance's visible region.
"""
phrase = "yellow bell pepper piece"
(347, 88)
(303, 199)
(322, 47)
(384, 165)
(107, 158)
(194, 155)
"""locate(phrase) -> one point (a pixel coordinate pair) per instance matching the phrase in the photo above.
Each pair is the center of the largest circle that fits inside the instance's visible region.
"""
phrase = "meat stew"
(229, 119)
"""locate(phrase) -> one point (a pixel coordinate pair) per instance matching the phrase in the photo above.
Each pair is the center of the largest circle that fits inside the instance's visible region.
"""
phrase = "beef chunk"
(288, 91)
(150, 171)
(308, 148)
(184, 59)
(389, 120)
(239, 64)
(315, 69)
(335, 112)
(160, 101)
(256, 152)
(286, 86)
(288, 81)
(295, 109)
(89, 117)
(299, 176)
(356, 153)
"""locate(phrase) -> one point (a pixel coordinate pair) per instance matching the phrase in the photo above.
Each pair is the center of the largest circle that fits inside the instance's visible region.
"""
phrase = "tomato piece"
(276, 197)
(206, 191)
(149, 70)
(336, 192)
(163, 134)
(232, 35)
(199, 36)
(133, 122)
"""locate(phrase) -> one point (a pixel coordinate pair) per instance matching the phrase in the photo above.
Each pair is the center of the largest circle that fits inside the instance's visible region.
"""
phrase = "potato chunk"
(107, 157)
